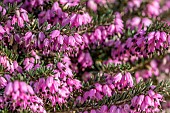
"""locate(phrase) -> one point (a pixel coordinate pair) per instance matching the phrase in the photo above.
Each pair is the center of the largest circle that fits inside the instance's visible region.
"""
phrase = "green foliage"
(159, 26)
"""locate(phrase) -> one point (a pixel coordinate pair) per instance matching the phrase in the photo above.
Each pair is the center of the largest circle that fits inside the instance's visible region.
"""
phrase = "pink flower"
(103, 109)
(144, 106)
(99, 96)
(106, 90)
(41, 36)
(85, 112)
(98, 34)
(126, 108)
(15, 63)
(134, 4)
(98, 87)
(2, 30)
(92, 5)
(134, 101)
(85, 95)
(80, 19)
(111, 29)
(118, 110)
(70, 2)
(163, 36)
(148, 101)
(146, 22)
(140, 100)
(93, 111)
(23, 86)
(49, 81)
(20, 22)
(85, 59)
(112, 109)
(71, 41)
(24, 15)
(129, 79)
(30, 90)
(78, 38)
(92, 93)
(16, 86)
(77, 83)
(8, 89)
(20, 17)
(168, 39)
(60, 39)
(54, 34)
(3, 82)
(153, 9)
(151, 93)
(117, 77)
(20, 94)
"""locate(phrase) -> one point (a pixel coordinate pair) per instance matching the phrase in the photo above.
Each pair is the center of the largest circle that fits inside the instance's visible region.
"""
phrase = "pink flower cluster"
(29, 5)
(53, 15)
(119, 81)
(19, 94)
(156, 67)
(117, 26)
(28, 63)
(20, 17)
(134, 4)
(2, 10)
(153, 8)
(57, 87)
(56, 15)
(54, 42)
(10, 66)
(85, 59)
(140, 45)
(147, 73)
(137, 22)
(93, 4)
(102, 33)
(80, 19)
(165, 65)
(148, 103)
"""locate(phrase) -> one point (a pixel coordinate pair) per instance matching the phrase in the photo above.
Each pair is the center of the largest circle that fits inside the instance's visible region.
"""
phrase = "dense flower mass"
(148, 103)
(84, 56)
(21, 95)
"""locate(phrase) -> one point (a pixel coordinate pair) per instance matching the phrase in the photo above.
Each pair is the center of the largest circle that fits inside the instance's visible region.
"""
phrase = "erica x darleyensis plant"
(84, 56)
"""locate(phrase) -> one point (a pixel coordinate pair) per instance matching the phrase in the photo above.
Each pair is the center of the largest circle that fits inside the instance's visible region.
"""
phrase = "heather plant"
(84, 56)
